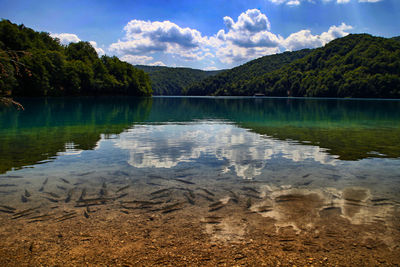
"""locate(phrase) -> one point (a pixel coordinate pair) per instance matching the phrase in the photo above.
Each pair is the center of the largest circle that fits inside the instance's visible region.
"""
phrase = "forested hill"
(358, 65)
(34, 64)
(223, 83)
(172, 81)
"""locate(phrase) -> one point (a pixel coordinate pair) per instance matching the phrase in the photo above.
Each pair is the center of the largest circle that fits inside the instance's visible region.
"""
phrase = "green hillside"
(172, 81)
(359, 65)
(223, 83)
(35, 64)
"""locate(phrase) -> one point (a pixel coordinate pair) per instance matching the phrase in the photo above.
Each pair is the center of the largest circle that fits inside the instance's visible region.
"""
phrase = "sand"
(288, 227)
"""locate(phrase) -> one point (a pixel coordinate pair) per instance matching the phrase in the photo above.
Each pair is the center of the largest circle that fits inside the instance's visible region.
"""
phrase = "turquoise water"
(217, 144)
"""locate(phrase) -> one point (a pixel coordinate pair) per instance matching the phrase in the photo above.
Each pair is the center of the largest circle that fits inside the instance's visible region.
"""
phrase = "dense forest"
(222, 83)
(35, 64)
(172, 81)
(358, 65)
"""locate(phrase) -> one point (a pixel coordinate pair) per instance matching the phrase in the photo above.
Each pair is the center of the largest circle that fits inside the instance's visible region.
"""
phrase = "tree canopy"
(358, 65)
(223, 83)
(35, 64)
(173, 81)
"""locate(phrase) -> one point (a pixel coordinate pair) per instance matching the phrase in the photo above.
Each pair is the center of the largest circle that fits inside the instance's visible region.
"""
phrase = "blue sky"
(202, 33)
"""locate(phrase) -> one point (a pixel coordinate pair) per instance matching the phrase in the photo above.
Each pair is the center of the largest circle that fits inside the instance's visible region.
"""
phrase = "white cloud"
(162, 32)
(157, 63)
(250, 30)
(244, 39)
(278, 1)
(141, 60)
(136, 60)
(298, 2)
(304, 38)
(66, 38)
(211, 68)
(146, 37)
(232, 54)
(247, 38)
(293, 3)
(137, 47)
(335, 32)
(250, 37)
(250, 21)
(99, 50)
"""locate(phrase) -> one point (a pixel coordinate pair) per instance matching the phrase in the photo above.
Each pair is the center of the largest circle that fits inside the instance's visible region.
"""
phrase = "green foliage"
(172, 81)
(358, 65)
(35, 64)
(231, 81)
(8, 71)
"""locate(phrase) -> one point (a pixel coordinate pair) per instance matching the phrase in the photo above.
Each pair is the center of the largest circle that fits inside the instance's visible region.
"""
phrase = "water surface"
(167, 154)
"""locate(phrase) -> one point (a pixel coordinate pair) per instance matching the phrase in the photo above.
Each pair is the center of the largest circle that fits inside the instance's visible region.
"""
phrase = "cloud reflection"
(243, 152)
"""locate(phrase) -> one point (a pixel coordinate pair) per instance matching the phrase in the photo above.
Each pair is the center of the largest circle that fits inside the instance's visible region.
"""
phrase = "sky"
(203, 34)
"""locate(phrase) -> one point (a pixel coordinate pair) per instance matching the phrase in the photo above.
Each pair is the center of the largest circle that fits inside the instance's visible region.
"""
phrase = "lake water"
(300, 164)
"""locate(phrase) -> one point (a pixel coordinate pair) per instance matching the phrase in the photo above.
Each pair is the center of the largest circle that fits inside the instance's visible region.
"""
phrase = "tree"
(34, 64)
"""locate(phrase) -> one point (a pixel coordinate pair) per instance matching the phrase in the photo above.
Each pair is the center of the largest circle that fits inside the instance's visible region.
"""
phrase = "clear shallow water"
(220, 144)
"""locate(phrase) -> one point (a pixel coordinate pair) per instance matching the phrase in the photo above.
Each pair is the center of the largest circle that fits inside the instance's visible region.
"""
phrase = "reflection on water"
(348, 129)
(50, 126)
(235, 149)
(304, 164)
(246, 138)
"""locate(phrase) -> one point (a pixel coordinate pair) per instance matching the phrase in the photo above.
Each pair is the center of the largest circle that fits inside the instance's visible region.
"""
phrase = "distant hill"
(172, 81)
(397, 38)
(358, 65)
(223, 83)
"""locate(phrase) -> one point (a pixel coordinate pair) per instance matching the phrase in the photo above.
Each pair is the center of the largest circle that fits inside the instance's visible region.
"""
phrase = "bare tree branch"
(6, 101)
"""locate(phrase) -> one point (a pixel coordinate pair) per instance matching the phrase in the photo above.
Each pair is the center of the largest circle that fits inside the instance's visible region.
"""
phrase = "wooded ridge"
(358, 65)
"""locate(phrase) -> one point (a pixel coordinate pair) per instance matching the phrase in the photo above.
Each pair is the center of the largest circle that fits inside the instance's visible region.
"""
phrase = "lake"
(227, 177)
